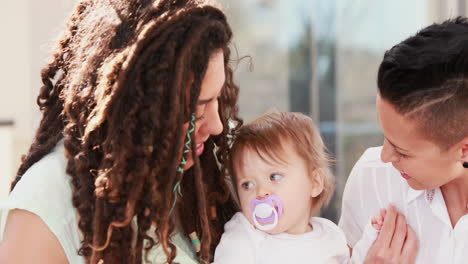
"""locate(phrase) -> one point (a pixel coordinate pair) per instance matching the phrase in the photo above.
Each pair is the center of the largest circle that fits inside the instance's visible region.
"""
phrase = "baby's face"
(290, 182)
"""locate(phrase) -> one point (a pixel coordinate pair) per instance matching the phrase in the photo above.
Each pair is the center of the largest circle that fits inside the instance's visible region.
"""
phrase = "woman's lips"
(405, 176)
(199, 149)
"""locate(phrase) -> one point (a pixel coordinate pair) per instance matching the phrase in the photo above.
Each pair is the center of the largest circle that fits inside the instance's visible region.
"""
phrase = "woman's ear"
(317, 178)
(464, 152)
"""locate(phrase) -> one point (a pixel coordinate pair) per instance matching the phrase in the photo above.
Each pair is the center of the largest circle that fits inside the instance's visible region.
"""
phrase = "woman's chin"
(417, 186)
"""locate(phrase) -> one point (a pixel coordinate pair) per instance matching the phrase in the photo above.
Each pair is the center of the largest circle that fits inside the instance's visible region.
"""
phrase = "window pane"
(320, 57)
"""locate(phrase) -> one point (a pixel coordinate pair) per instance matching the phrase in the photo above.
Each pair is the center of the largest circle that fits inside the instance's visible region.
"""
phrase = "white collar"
(414, 194)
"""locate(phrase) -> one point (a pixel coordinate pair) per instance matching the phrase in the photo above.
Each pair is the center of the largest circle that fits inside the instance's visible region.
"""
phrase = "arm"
(27, 239)
(361, 248)
(396, 243)
(368, 238)
(363, 197)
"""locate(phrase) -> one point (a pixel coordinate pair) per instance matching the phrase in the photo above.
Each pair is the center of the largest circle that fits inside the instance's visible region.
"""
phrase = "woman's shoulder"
(371, 169)
(370, 157)
(45, 179)
(45, 190)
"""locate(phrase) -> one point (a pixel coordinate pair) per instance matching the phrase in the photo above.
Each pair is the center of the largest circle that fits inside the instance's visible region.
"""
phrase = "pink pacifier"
(265, 211)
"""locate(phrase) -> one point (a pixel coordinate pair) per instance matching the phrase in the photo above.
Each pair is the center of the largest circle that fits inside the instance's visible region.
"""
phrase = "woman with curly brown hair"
(124, 165)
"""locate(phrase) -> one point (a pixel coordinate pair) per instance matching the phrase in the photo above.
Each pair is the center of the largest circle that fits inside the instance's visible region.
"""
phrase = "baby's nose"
(262, 194)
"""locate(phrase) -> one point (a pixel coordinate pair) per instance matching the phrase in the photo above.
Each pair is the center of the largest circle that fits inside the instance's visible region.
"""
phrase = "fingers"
(386, 233)
(377, 221)
(396, 243)
(383, 212)
(399, 235)
(410, 249)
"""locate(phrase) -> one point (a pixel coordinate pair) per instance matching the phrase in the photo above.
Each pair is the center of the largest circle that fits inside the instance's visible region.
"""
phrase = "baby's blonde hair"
(267, 136)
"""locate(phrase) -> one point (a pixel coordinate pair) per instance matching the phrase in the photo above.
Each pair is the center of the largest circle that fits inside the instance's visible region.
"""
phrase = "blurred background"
(319, 57)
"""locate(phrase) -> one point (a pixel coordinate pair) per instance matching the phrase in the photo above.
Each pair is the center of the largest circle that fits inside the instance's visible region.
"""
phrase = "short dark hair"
(425, 77)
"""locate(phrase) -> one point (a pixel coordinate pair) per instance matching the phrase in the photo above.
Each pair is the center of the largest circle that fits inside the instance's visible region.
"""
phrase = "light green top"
(45, 190)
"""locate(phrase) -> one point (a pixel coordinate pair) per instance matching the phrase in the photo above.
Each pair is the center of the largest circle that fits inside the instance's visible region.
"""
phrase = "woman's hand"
(396, 243)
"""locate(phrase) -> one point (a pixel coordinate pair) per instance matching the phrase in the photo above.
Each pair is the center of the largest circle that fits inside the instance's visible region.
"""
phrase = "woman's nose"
(212, 124)
(215, 126)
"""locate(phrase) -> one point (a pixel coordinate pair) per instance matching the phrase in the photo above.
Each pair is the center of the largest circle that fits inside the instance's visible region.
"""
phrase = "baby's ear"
(317, 178)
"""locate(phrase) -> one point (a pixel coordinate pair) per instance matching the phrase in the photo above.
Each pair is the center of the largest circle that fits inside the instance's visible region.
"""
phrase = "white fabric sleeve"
(361, 248)
(44, 190)
(353, 220)
(235, 245)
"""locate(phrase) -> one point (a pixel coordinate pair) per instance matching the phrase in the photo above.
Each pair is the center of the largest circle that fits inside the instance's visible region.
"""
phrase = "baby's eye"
(275, 177)
(247, 185)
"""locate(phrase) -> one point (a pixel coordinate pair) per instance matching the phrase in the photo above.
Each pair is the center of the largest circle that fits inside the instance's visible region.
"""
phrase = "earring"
(465, 165)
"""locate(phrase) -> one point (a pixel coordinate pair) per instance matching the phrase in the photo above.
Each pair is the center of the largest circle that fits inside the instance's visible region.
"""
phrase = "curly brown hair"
(116, 91)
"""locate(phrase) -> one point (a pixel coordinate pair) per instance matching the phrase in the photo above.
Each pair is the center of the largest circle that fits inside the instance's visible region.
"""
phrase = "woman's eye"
(200, 112)
(402, 155)
(198, 118)
(275, 177)
(247, 185)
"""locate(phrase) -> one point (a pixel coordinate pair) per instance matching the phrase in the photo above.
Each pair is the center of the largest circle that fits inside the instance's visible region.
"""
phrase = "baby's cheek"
(246, 212)
(245, 207)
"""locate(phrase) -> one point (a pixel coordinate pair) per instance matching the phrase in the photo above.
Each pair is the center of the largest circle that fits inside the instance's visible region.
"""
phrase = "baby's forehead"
(271, 159)
(272, 155)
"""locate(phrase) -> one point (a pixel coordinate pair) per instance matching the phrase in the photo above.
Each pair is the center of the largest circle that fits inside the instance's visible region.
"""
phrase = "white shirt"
(373, 185)
(242, 243)
(45, 190)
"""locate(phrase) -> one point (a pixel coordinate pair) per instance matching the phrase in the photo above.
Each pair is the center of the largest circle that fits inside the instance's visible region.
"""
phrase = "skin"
(396, 243)
(425, 166)
(25, 230)
(377, 220)
(291, 182)
(208, 121)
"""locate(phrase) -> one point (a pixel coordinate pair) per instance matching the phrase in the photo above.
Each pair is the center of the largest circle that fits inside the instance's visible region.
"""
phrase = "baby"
(280, 171)
(281, 174)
